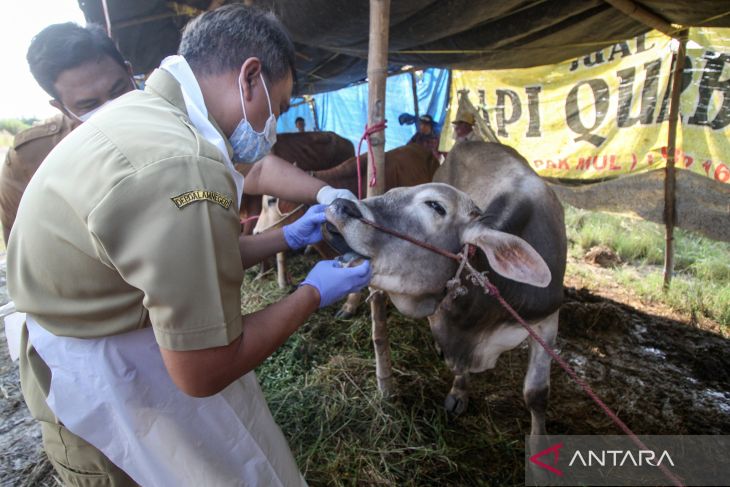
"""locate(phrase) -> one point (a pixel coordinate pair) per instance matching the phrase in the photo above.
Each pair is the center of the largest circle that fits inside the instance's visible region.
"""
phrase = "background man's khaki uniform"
(132, 221)
(29, 149)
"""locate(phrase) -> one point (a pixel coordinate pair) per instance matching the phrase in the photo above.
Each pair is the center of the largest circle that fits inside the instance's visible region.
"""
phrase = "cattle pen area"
(462, 234)
(664, 372)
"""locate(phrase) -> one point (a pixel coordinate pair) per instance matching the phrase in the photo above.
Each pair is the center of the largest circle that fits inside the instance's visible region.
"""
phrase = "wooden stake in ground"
(670, 181)
(655, 21)
(377, 72)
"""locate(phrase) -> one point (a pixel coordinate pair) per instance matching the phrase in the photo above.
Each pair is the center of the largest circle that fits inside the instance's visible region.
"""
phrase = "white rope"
(282, 217)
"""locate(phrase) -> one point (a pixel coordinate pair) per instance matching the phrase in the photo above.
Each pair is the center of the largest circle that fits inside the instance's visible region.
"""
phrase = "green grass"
(322, 391)
(701, 283)
(6, 139)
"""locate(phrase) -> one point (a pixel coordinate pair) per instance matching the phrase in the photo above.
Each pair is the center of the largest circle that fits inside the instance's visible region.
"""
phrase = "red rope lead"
(380, 126)
(249, 219)
(490, 288)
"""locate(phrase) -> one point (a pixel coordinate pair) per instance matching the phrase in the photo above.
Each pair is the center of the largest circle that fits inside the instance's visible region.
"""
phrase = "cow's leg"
(537, 379)
(458, 398)
(350, 307)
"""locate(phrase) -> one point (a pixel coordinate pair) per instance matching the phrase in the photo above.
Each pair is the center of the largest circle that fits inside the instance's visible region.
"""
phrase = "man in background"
(81, 69)
(299, 122)
(463, 126)
(426, 135)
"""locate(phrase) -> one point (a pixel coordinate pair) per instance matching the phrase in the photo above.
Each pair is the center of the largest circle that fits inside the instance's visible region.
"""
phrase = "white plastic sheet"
(115, 393)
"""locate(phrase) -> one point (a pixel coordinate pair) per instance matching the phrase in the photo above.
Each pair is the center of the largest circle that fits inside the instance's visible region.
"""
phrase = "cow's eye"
(436, 207)
(271, 201)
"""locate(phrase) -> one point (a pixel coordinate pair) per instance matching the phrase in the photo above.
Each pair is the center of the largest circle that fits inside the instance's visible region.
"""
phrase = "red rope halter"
(378, 127)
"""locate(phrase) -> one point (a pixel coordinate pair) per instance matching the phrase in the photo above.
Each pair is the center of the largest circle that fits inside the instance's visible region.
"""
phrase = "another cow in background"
(408, 165)
(313, 151)
(310, 151)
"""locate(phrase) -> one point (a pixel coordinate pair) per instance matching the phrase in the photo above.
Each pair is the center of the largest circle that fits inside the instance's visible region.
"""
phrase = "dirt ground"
(662, 372)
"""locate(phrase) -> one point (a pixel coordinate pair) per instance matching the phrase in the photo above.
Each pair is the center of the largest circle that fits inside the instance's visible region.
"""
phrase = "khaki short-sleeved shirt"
(131, 221)
(29, 149)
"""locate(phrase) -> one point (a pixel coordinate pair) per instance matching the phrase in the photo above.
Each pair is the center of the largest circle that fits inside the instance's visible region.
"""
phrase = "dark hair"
(59, 47)
(296, 120)
(220, 40)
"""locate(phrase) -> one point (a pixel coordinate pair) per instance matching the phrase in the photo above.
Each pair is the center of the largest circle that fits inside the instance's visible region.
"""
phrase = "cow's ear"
(508, 255)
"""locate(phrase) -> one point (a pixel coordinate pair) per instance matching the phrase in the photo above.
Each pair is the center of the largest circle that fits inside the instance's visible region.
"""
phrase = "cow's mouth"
(337, 241)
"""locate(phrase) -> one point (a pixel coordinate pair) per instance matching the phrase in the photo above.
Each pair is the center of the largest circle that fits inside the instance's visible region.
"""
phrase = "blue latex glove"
(306, 230)
(335, 282)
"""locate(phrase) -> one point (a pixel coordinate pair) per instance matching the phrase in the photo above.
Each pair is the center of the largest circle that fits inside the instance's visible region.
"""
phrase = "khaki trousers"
(78, 463)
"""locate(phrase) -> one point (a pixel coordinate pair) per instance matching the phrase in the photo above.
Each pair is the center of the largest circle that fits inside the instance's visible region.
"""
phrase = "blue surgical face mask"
(248, 145)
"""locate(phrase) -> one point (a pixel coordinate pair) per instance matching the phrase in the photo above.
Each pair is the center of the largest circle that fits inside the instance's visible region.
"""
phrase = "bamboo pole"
(377, 72)
(670, 182)
(313, 109)
(657, 22)
(646, 17)
(107, 19)
(281, 278)
(414, 90)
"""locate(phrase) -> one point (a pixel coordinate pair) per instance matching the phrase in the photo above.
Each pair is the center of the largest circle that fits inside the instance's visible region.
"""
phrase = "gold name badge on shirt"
(201, 195)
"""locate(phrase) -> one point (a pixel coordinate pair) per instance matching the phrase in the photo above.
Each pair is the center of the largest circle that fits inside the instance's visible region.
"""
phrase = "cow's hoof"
(343, 314)
(456, 404)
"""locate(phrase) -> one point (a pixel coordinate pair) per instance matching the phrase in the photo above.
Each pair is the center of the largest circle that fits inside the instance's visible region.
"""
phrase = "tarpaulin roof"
(331, 36)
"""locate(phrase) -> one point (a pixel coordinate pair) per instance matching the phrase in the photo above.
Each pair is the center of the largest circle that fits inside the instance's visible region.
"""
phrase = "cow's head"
(415, 278)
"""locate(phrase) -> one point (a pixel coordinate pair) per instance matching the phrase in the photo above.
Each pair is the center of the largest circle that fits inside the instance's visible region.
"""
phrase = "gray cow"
(493, 200)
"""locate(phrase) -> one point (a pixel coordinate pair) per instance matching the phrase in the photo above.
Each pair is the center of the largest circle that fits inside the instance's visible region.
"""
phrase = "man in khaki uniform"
(130, 230)
(81, 69)
(29, 149)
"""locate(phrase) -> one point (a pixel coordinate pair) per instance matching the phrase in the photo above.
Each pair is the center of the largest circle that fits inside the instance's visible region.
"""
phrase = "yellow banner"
(606, 114)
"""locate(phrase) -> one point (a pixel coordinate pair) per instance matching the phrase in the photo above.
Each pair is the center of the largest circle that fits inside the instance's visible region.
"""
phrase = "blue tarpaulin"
(345, 111)
(298, 107)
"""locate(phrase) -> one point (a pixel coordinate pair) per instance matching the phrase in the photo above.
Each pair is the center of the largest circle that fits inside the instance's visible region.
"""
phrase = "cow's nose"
(348, 207)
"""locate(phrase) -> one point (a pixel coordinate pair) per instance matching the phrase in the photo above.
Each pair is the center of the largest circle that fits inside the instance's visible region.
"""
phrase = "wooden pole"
(669, 171)
(414, 90)
(646, 17)
(313, 109)
(281, 278)
(107, 18)
(377, 72)
(657, 22)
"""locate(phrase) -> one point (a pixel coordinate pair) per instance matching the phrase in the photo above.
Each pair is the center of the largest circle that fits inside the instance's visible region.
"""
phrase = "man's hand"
(328, 194)
(334, 282)
(307, 230)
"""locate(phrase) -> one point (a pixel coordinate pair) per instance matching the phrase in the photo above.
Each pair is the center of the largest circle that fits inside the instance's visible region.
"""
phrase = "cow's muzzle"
(340, 210)
(347, 208)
